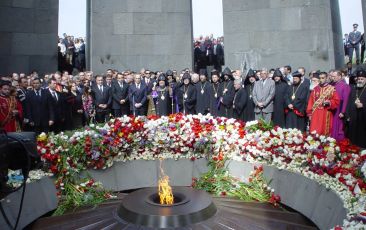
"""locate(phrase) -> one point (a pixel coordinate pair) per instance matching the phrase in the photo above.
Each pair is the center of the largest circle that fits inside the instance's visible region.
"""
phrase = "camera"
(17, 151)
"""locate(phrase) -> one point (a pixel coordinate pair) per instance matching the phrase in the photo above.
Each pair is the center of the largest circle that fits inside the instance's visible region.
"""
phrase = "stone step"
(287, 217)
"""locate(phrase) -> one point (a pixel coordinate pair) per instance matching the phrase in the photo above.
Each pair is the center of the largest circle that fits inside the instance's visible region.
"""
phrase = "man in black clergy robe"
(173, 91)
(120, 104)
(249, 85)
(163, 98)
(214, 96)
(356, 111)
(240, 100)
(137, 95)
(203, 93)
(102, 98)
(279, 103)
(296, 102)
(187, 95)
(227, 91)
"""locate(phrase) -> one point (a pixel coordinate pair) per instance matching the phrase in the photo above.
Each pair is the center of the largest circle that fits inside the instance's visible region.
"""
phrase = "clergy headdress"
(169, 73)
(186, 76)
(227, 72)
(214, 72)
(250, 73)
(296, 74)
(361, 73)
(203, 72)
(162, 77)
(278, 73)
(316, 74)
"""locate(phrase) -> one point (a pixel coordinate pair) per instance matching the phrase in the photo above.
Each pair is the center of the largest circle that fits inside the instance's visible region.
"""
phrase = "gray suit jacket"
(354, 38)
(265, 94)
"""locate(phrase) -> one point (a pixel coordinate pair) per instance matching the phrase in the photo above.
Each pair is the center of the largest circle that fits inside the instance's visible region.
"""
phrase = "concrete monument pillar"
(130, 34)
(364, 14)
(274, 33)
(28, 36)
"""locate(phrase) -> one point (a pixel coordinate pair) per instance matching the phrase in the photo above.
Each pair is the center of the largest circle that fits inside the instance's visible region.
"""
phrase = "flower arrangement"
(219, 182)
(338, 166)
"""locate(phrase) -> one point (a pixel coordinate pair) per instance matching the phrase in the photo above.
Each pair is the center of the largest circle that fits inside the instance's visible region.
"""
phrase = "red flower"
(223, 193)
(54, 169)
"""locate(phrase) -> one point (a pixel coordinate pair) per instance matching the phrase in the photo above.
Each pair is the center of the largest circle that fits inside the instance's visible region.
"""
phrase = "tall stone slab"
(364, 14)
(28, 36)
(273, 33)
(130, 34)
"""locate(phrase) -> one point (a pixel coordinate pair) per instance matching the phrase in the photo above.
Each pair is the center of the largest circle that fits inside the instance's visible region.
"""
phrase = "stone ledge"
(40, 198)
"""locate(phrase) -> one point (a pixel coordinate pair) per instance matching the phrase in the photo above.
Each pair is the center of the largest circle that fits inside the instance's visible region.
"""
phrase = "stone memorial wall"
(152, 34)
(28, 35)
(272, 33)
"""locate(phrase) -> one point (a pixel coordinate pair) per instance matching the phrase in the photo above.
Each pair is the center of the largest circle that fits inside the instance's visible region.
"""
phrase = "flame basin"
(142, 208)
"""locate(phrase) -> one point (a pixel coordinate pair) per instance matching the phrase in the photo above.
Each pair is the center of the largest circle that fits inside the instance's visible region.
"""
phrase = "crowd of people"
(71, 53)
(352, 43)
(208, 51)
(330, 103)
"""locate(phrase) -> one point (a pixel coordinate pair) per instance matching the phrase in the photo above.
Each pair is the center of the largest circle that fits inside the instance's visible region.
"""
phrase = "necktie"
(101, 88)
(138, 86)
(39, 93)
(54, 95)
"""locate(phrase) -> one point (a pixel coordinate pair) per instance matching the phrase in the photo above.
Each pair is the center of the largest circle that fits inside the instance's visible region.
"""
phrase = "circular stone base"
(141, 208)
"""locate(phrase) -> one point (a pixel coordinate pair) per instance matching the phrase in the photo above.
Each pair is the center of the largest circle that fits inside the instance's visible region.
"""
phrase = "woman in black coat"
(75, 100)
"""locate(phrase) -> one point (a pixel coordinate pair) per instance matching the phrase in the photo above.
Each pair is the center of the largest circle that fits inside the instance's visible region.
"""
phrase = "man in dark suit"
(58, 103)
(137, 96)
(305, 80)
(39, 110)
(102, 99)
(218, 56)
(120, 104)
(150, 84)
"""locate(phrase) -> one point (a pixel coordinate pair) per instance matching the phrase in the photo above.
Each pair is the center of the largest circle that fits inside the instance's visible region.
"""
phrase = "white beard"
(360, 85)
